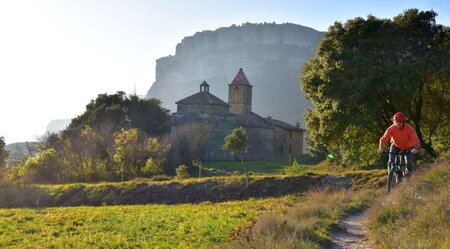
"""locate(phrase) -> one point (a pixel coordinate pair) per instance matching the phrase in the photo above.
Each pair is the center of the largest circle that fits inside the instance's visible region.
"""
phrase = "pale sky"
(55, 56)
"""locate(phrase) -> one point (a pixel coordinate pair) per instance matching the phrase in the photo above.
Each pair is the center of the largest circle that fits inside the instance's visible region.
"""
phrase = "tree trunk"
(416, 119)
(246, 171)
(121, 175)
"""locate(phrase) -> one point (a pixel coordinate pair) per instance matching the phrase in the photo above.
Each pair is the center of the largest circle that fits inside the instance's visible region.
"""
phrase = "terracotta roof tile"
(240, 78)
(202, 98)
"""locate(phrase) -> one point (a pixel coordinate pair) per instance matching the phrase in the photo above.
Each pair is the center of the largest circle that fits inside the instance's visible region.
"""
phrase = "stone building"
(203, 120)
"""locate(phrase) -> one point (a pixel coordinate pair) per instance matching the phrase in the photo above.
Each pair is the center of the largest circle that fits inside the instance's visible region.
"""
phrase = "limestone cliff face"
(270, 54)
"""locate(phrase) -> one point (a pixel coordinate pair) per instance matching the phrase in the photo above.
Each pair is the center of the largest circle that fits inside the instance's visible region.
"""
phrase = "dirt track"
(350, 233)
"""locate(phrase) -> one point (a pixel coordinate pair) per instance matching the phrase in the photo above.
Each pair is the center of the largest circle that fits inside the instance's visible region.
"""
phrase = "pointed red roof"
(240, 78)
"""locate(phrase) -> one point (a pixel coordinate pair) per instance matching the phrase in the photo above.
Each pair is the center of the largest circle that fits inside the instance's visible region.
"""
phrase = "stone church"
(203, 114)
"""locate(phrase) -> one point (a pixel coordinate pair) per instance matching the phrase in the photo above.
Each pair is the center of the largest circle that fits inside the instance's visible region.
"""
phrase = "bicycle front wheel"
(392, 179)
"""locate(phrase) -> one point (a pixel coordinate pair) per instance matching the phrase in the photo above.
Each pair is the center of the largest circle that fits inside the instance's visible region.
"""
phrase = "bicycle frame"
(398, 170)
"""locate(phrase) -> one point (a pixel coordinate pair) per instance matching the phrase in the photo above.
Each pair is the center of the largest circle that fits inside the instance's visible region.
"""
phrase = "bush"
(42, 168)
(293, 169)
(151, 168)
(182, 172)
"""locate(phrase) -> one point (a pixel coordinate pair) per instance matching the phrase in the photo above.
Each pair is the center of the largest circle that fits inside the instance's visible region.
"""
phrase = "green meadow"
(139, 226)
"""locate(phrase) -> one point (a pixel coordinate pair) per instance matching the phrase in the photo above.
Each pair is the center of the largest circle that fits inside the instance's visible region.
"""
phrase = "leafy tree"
(157, 157)
(92, 154)
(42, 168)
(15, 173)
(126, 150)
(118, 111)
(236, 141)
(148, 115)
(3, 153)
(366, 70)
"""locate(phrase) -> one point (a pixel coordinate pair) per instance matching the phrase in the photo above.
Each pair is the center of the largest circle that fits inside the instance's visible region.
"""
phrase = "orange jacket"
(402, 138)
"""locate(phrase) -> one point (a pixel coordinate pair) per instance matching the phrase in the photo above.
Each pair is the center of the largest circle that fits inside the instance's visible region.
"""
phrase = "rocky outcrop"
(57, 125)
(271, 55)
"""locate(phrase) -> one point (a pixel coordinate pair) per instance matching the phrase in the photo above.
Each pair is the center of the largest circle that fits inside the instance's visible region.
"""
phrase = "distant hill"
(18, 152)
(270, 54)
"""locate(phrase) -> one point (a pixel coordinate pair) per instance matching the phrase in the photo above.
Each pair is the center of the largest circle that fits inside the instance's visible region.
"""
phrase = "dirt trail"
(350, 233)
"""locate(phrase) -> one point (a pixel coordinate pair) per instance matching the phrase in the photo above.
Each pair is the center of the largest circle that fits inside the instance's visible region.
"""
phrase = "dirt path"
(350, 233)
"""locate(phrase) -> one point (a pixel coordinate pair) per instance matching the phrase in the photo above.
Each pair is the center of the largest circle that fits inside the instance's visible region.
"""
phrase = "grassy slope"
(417, 214)
(308, 224)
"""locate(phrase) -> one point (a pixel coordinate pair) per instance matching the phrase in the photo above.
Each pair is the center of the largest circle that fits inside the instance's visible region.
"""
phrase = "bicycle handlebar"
(385, 154)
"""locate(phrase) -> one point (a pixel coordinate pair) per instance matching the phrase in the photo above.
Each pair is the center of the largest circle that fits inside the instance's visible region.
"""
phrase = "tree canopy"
(118, 111)
(236, 141)
(366, 70)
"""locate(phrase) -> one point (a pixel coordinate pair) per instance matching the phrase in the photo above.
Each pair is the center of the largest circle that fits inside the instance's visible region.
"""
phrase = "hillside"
(270, 54)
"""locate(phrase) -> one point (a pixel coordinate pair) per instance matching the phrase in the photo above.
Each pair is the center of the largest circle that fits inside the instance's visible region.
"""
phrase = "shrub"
(182, 172)
(293, 169)
(151, 168)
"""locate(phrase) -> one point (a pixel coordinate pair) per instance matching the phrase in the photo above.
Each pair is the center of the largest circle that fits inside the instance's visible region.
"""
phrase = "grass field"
(274, 221)
(262, 167)
(140, 226)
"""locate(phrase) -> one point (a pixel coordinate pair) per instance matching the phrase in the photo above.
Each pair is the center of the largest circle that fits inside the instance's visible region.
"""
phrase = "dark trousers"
(394, 150)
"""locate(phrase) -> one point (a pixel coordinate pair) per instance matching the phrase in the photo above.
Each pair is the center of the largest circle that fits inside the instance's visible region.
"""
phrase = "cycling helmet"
(399, 116)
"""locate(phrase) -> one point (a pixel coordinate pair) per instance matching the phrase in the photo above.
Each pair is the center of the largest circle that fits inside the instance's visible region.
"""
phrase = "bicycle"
(398, 171)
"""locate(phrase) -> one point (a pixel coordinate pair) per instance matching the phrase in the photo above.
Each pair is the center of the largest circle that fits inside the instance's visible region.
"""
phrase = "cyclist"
(403, 137)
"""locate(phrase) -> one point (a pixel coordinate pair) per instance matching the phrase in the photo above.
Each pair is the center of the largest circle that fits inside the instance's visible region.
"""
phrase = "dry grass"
(417, 213)
(305, 225)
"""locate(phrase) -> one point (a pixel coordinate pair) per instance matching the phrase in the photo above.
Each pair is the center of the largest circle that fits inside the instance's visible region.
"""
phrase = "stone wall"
(287, 142)
(201, 108)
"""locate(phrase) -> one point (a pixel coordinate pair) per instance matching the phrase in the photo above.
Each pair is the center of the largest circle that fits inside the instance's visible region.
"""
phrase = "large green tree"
(111, 113)
(366, 70)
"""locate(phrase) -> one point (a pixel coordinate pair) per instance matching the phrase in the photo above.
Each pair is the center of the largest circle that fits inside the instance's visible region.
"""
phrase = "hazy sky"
(55, 56)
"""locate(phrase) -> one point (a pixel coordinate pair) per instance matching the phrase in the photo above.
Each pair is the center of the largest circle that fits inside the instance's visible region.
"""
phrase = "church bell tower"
(240, 94)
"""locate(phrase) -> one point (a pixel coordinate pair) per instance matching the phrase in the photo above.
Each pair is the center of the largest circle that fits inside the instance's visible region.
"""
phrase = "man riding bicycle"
(403, 137)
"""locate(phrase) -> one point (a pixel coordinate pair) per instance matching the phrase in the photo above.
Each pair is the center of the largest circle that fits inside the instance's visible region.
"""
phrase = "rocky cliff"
(270, 54)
